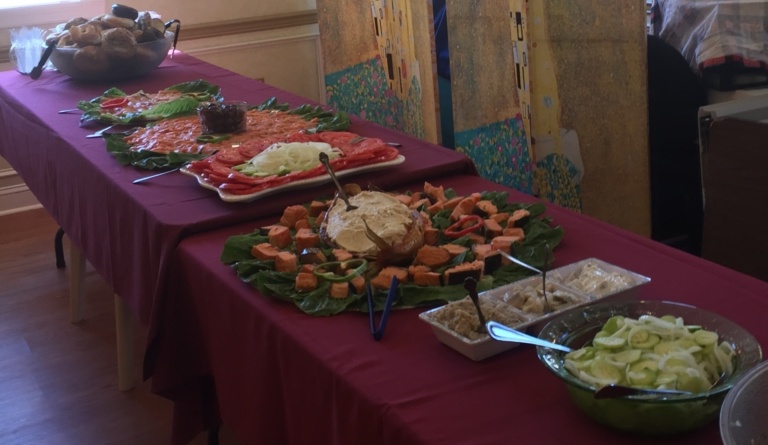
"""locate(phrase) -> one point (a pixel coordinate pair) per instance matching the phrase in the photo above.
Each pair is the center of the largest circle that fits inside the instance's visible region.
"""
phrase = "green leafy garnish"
(192, 94)
(261, 274)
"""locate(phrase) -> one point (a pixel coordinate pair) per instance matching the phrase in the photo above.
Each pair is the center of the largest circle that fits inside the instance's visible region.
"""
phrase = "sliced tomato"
(336, 138)
(114, 102)
(229, 157)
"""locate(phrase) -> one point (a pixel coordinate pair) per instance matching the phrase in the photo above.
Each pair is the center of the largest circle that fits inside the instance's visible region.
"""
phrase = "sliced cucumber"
(613, 324)
(652, 352)
(648, 343)
(627, 356)
(604, 370)
(609, 342)
(704, 337)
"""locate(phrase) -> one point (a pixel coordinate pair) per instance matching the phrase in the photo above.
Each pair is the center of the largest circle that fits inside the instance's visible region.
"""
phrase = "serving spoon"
(326, 161)
(504, 333)
(470, 284)
(613, 391)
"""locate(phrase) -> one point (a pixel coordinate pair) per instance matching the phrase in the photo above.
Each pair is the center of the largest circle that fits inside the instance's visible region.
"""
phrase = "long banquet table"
(128, 232)
(277, 376)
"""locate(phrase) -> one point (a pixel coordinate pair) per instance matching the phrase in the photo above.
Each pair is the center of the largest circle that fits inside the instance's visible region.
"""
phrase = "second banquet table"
(128, 232)
(275, 375)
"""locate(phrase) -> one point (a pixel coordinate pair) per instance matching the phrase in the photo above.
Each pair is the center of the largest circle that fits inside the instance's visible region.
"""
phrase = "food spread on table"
(320, 255)
(260, 164)
(110, 43)
(173, 142)
(653, 352)
(115, 106)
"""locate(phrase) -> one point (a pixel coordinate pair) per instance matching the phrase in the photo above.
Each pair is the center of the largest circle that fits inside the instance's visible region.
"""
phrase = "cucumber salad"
(652, 352)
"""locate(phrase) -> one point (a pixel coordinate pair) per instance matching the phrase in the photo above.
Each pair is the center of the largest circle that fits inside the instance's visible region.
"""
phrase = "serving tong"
(359, 139)
(547, 307)
(378, 331)
(100, 133)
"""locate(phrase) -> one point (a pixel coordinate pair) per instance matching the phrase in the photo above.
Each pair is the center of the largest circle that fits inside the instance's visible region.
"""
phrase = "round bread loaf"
(89, 35)
(119, 22)
(119, 43)
(74, 22)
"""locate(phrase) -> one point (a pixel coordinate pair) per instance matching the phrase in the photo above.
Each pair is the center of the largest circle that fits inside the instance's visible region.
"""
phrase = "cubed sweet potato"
(457, 274)
(305, 282)
(432, 256)
(286, 262)
(264, 251)
(315, 207)
(516, 232)
(339, 290)
(384, 279)
(492, 228)
(280, 237)
(293, 213)
(305, 239)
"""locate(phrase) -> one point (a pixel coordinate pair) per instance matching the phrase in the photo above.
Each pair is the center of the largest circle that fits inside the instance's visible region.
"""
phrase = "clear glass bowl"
(148, 56)
(643, 414)
(744, 417)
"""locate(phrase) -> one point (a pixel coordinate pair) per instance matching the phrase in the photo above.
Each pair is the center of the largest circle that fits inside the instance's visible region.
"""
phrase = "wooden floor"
(58, 380)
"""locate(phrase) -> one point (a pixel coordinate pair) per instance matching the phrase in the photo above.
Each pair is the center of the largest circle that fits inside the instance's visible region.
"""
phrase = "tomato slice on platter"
(229, 157)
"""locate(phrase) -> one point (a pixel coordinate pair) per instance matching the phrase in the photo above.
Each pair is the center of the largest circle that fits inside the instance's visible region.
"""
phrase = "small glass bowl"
(223, 117)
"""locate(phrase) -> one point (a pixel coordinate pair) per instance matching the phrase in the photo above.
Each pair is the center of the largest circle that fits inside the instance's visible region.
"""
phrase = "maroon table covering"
(128, 231)
(279, 376)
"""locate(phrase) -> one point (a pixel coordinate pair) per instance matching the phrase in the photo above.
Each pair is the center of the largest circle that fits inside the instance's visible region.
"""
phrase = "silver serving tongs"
(547, 308)
(175, 35)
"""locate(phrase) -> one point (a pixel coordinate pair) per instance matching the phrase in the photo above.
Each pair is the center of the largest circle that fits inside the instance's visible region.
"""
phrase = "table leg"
(58, 248)
(76, 284)
(213, 436)
(124, 325)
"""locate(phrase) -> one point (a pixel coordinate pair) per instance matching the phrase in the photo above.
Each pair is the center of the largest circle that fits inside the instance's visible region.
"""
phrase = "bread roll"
(89, 35)
(119, 22)
(119, 43)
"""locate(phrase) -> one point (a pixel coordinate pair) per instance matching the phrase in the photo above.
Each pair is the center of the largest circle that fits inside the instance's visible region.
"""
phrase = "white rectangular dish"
(453, 321)
(523, 298)
(599, 279)
(296, 185)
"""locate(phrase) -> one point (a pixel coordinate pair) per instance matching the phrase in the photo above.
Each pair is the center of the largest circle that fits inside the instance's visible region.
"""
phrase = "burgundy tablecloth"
(279, 376)
(128, 231)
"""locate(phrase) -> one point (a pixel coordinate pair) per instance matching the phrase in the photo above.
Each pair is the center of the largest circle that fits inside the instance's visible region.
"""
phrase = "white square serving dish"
(599, 279)
(463, 313)
(562, 283)
(455, 316)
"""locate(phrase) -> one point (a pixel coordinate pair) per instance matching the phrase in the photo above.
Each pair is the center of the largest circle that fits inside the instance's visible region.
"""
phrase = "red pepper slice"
(114, 102)
(457, 229)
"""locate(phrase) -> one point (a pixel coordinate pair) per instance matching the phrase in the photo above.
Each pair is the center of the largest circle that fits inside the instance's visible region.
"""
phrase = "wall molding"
(252, 44)
(229, 27)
